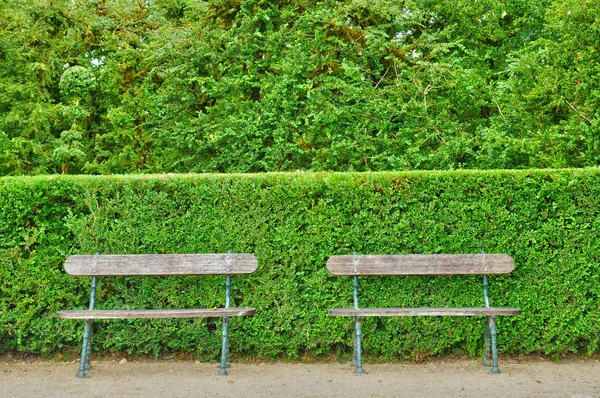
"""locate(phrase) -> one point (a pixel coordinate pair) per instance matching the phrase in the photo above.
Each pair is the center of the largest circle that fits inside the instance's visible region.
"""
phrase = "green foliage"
(256, 85)
(549, 221)
(76, 83)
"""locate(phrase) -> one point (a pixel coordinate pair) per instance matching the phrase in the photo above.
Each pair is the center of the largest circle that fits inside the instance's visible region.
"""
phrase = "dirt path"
(436, 378)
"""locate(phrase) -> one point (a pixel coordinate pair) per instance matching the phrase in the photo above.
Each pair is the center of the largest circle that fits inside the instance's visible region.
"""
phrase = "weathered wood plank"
(482, 311)
(183, 313)
(161, 264)
(421, 264)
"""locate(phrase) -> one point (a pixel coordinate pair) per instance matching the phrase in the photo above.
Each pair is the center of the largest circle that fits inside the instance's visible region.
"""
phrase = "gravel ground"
(170, 378)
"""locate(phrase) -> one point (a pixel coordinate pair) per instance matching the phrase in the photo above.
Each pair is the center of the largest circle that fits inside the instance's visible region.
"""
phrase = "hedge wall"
(548, 220)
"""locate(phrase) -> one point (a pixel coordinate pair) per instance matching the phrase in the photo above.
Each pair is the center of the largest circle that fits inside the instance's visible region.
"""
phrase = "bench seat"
(482, 311)
(182, 313)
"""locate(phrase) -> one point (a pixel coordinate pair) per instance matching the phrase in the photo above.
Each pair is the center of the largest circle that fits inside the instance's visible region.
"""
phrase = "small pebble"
(123, 361)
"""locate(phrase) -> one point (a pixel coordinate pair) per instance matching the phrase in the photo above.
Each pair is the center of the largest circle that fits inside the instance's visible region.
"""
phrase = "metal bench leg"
(354, 344)
(224, 348)
(494, 346)
(87, 335)
(358, 352)
(85, 347)
(357, 357)
(486, 343)
(88, 365)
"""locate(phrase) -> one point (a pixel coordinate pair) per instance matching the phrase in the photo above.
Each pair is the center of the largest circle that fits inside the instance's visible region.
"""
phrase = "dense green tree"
(552, 94)
(132, 86)
(63, 66)
(335, 85)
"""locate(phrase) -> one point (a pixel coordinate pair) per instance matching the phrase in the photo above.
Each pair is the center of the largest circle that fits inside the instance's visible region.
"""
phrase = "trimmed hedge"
(548, 220)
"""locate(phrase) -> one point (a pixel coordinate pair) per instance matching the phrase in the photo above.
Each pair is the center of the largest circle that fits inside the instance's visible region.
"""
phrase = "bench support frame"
(225, 347)
(84, 363)
(357, 355)
(490, 335)
(157, 265)
(490, 331)
(352, 268)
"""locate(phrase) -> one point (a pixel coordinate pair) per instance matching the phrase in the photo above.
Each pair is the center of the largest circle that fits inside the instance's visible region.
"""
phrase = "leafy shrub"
(549, 221)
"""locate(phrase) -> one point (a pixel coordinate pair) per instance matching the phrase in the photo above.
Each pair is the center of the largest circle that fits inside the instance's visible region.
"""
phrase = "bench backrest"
(161, 264)
(421, 264)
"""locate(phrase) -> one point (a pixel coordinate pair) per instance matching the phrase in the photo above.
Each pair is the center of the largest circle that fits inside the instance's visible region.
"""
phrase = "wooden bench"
(424, 264)
(157, 265)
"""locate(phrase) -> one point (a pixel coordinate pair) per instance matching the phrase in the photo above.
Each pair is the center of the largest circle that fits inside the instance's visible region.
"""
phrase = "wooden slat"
(161, 264)
(423, 311)
(190, 313)
(421, 264)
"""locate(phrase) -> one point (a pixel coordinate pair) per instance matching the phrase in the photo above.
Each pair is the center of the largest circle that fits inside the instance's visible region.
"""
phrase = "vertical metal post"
(495, 368)
(224, 349)
(88, 365)
(84, 363)
(354, 344)
(490, 331)
(486, 287)
(486, 335)
(357, 333)
(486, 343)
